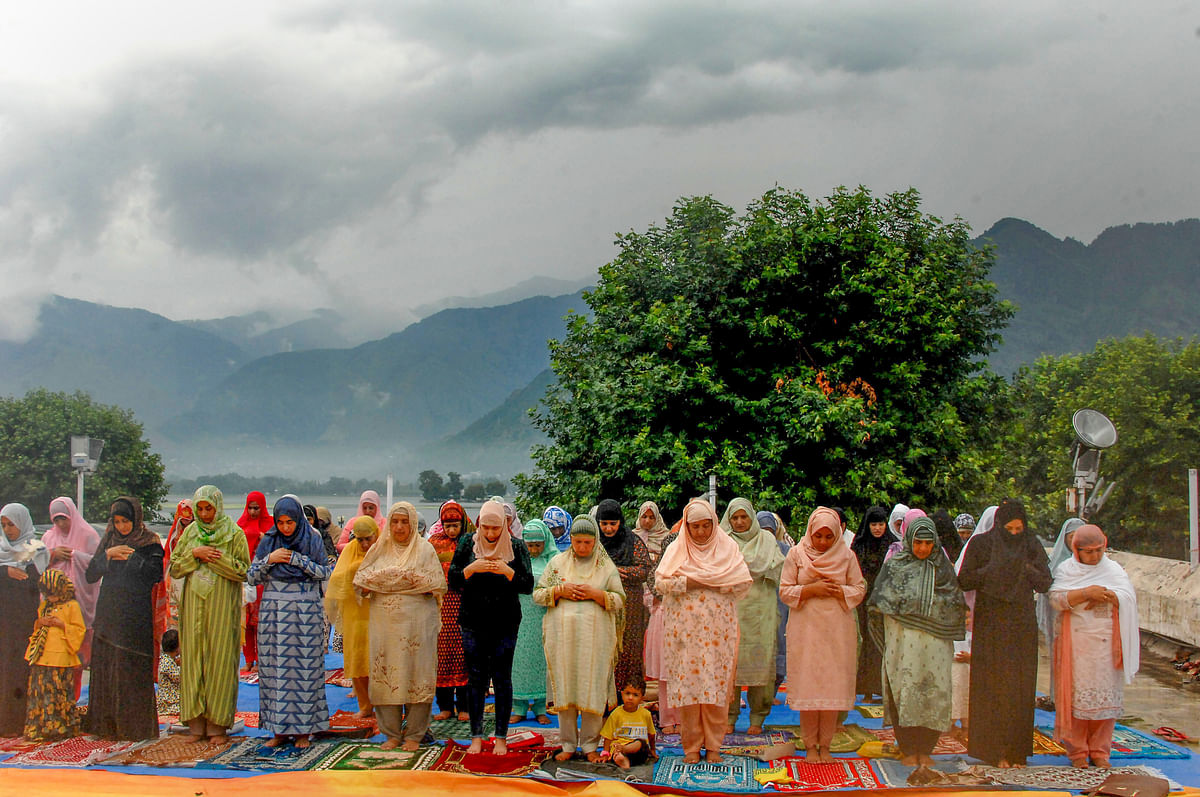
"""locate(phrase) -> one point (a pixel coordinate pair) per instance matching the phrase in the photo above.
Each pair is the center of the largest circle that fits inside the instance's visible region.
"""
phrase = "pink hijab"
(832, 564)
(492, 514)
(716, 563)
(83, 540)
(368, 496)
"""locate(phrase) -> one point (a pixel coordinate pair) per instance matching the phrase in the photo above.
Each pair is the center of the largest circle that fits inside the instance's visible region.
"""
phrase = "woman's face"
(965, 533)
(740, 521)
(365, 543)
(1015, 526)
(922, 549)
(10, 529)
(646, 521)
(491, 533)
(400, 525)
(609, 527)
(369, 509)
(206, 512)
(286, 525)
(1090, 555)
(122, 524)
(822, 538)
(877, 528)
(62, 523)
(555, 531)
(700, 530)
(583, 545)
(452, 528)
(253, 510)
(535, 548)
(185, 514)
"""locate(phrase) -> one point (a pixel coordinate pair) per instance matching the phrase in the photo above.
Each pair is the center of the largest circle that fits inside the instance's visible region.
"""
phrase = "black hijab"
(870, 549)
(620, 546)
(1016, 562)
(947, 535)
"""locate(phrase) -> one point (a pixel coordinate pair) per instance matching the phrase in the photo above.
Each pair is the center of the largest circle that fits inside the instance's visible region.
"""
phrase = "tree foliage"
(806, 352)
(432, 486)
(1150, 389)
(35, 437)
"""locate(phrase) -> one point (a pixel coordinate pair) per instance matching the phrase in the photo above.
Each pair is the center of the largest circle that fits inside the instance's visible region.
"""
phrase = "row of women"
(462, 602)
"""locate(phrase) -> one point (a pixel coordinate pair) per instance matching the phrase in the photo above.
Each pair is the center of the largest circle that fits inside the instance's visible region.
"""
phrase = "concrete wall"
(1168, 595)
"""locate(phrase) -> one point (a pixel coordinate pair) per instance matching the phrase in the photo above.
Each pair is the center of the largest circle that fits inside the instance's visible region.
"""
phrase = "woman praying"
(254, 523)
(22, 560)
(701, 576)
(822, 585)
(368, 505)
(651, 529)
(529, 660)
(1096, 650)
(582, 590)
(403, 579)
(633, 562)
(559, 522)
(350, 614)
(71, 542)
(452, 524)
(870, 547)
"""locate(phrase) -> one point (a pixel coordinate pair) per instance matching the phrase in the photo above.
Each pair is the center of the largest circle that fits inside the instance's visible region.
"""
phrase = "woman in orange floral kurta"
(701, 577)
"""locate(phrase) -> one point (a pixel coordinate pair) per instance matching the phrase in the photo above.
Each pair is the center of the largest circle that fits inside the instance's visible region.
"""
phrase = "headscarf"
(325, 520)
(964, 521)
(372, 497)
(1007, 577)
(492, 513)
(341, 583)
(951, 543)
(82, 539)
(26, 547)
(830, 565)
(178, 524)
(514, 519)
(716, 563)
(57, 589)
(920, 593)
(898, 513)
(255, 528)
(1060, 554)
(222, 528)
(654, 537)
(620, 546)
(759, 548)
(127, 507)
(538, 531)
(304, 541)
(557, 516)
(986, 520)
(869, 549)
(585, 526)
(411, 568)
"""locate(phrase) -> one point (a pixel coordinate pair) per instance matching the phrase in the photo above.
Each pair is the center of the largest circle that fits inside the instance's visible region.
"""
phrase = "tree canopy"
(807, 352)
(35, 435)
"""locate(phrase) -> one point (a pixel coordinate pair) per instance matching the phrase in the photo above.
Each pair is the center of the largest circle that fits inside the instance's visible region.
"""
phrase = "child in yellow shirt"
(628, 732)
(53, 655)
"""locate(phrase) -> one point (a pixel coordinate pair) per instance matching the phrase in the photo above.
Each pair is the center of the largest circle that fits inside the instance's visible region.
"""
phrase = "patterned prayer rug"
(248, 677)
(453, 729)
(17, 744)
(896, 775)
(843, 773)
(734, 774)
(946, 744)
(253, 755)
(1055, 778)
(874, 712)
(1044, 745)
(80, 751)
(359, 756)
(1128, 743)
(513, 764)
(338, 678)
(580, 769)
(249, 719)
(774, 735)
(346, 719)
(847, 740)
(173, 751)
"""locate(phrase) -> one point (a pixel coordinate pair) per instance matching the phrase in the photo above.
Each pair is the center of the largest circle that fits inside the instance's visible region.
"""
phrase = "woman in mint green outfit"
(529, 661)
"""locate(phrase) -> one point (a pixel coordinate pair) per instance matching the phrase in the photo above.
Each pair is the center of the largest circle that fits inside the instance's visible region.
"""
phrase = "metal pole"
(1194, 517)
(712, 491)
(390, 482)
(79, 489)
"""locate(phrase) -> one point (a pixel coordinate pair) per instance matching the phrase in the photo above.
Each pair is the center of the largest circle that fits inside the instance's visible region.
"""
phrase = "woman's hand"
(962, 656)
(50, 621)
(17, 573)
(120, 553)
(206, 553)
(823, 589)
(478, 566)
(61, 554)
(279, 556)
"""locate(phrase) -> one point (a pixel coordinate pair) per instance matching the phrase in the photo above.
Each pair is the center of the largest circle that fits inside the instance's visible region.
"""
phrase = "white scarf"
(1073, 574)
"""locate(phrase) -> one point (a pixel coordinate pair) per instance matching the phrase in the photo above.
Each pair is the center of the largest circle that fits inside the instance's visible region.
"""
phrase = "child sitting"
(53, 654)
(168, 674)
(628, 732)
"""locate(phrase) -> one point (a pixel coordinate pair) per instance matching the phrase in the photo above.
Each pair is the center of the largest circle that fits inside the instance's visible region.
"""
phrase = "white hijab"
(1074, 574)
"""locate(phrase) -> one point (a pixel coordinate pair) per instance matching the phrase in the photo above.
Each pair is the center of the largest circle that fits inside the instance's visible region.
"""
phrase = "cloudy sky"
(205, 159)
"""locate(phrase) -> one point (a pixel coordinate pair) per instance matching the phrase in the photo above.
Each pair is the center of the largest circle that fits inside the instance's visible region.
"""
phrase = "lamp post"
(85, 456)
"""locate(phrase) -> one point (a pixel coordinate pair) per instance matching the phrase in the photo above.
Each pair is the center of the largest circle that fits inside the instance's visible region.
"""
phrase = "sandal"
(1172, 735)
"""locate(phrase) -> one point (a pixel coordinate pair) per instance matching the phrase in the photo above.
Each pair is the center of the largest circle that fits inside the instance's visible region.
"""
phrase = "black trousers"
(916, 740)
(489, 659)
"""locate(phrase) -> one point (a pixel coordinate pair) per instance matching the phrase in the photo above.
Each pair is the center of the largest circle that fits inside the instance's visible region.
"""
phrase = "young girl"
(53, 653)
(167, 700)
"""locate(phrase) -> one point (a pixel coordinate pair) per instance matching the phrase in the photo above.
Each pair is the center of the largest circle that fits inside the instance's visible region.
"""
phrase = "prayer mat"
(770, 736)
(346, 719)
(1044, 745)
(1128, 743)
(946, 744)
(733, 774)
(874, 712)
(253, 755)
(17, 744)
(249, 719)
(512, 764)
(359, 756)
(453, 729)
(843, 773)
(80, 751)
(896, 775)
(172, 751)
(847, 740)
(338, 678)
(580, 769)
(248, 677)
(1055, 778)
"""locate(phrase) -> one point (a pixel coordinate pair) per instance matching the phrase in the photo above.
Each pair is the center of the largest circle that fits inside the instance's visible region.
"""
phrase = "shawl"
(576, 569)
(538, 531)
(947, 534)
(620, 546)
(130, 508)
(492, 513)
(717, 563)
(870, 549)
(830, 565)
(341, 583)
(772, 523)
(25, 548)
(325, 520)
(920, 593)
(514, 520)
(222, 529)
(759, 548)
(57, 589)
(1007, 576)
(304, 540)
(409, 568)
(372, 497)
(255, 528)
(897, 516)
(652, 537)
(183, 518)
(556, 516)
(982, 527)
(1060, 554)
(81, 538)
(584, 526)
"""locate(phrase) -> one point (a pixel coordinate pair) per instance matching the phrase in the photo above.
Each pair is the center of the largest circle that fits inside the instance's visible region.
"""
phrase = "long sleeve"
(855, 588)
(636, 574)
(72, 616)
(234, 561)
(671, 585)
(464, 554)
(145, 564)
(974, 571)
(182, 561)
(614, 594)
(97, 568)
(789, 584)
(522, 579)
(543, 593)
(1038, 572)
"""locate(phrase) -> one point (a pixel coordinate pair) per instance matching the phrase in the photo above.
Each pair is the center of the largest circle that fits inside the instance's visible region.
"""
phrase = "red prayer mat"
(513, 764)
(946, 744)
(338, 678)
(248, 718)
(843, 773)
(78, 752)
(17, 744)
(346, 719)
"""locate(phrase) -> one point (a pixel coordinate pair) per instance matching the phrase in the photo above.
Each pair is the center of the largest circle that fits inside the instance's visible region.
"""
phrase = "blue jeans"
(489, 658)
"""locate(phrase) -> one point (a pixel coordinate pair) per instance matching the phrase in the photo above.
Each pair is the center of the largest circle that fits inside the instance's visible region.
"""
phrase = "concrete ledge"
(1168, 595)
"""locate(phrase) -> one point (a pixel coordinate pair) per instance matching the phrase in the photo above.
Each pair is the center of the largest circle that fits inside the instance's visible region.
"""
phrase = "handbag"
(1129, 784)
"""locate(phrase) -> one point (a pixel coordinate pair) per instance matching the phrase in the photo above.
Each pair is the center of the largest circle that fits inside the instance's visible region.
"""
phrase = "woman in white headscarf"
(22, 560)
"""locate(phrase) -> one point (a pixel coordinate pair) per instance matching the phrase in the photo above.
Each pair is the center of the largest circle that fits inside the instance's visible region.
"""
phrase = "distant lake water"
(342, 507)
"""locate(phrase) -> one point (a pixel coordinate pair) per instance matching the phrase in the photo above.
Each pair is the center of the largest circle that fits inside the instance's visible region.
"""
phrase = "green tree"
(35, 435)
(1150, 389)
(432, 487)
(496, 487)
(475, 492)
(454, 485)
(806, 352)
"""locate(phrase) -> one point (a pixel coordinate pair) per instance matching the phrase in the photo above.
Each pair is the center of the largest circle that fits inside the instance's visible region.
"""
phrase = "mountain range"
(453, 390)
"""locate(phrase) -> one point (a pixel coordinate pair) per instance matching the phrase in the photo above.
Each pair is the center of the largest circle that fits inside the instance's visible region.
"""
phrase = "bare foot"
(515, 718)
(925, 760)
(670, 729)
(728, 729)
(620, 760)
(390, 744)
(910, 761)
(443, 715)
(754, 730)
(369, 711)
(302, 742)
(713, 757)
(195, 739)
(1102, 763)
(593, 757)
(220, 738)
(275, 742)
(476, 745)
(500, 747)
(542, 719)
(565, 755)
(691, 758)
(776, 702)
(1079, 763)
(411, 747)
(1003, 764)
(1017, 764)
(463, 716)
